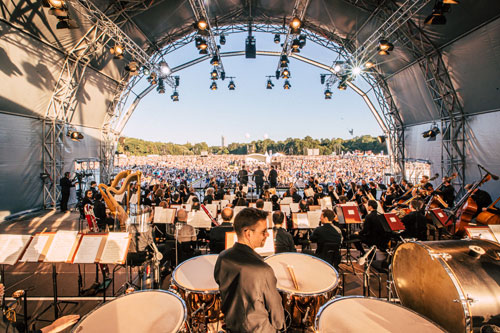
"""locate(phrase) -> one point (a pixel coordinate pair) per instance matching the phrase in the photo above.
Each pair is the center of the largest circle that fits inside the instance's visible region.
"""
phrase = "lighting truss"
(299, 11)
(200, 12)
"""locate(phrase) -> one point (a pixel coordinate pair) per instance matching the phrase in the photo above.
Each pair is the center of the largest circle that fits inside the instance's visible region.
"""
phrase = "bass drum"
(139, 312)
(454, 283)
(363, 314)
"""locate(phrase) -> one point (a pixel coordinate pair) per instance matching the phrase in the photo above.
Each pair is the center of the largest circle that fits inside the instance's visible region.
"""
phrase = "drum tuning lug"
(444, 256)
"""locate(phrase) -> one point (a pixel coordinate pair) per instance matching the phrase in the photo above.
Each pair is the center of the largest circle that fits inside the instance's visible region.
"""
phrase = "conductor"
(247, 285)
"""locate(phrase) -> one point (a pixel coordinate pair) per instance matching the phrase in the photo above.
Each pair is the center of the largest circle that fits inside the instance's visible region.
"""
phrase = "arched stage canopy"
(59, 79)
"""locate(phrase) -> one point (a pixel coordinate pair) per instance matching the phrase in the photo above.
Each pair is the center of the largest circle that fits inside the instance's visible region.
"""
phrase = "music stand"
(349, 215)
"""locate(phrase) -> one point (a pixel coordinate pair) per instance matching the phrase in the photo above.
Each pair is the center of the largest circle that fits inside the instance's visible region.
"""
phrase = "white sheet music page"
(160, 217)
(285, 209)
(268, 247)
(294, 207)
(62, 244)
(11, 247)
(495, 229)
(302, 220)
(87, 251)
(199, 219)
(34, 250)
(115, 248)
(314, 218)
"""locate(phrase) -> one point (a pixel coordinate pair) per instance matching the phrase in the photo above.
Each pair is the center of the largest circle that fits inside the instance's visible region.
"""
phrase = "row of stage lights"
(344, 72)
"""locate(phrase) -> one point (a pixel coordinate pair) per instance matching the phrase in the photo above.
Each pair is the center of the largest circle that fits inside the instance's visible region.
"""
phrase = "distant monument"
(223, 141)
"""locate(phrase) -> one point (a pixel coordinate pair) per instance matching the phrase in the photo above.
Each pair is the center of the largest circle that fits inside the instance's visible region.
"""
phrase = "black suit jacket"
(218, 237)
(373, 232)
(283, 241)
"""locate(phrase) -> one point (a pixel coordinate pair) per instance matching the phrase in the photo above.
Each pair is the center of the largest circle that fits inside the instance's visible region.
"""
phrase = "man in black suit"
(243, 176)
(283, 240)
(258, 177)
(415, 222)
(273, 177)
(66, 186)
(218, 234)
(373, 232)
(328, 236)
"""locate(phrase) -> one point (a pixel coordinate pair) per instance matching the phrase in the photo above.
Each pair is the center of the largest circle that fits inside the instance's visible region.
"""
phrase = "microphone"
(362, 260)
(495, 177)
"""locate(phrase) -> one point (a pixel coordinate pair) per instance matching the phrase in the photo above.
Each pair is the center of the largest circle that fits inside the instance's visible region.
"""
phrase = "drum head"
(314, 276)
(197, 274)
(139, 312)
(358, 314)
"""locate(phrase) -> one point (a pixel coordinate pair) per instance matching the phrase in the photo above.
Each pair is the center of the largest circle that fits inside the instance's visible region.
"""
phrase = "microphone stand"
(366, 273)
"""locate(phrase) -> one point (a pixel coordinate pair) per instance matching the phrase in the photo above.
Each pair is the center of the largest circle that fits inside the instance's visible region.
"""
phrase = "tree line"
(290, 146)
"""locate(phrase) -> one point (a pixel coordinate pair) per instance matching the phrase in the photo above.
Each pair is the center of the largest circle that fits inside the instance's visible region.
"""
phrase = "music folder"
(348, 214)
(393, 222)
(482, 232)
(266, 250)
(164, 215)
(439, 217)
(300, 221)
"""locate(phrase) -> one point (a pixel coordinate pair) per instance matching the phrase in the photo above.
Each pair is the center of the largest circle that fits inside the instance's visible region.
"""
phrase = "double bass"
(490, 216)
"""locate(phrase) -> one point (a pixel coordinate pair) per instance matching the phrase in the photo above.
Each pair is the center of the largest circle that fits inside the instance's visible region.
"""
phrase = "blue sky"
(205, 115)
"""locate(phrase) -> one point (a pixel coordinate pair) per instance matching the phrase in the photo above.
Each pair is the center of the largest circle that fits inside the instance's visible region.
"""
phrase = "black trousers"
(258, 187)
(64, 201)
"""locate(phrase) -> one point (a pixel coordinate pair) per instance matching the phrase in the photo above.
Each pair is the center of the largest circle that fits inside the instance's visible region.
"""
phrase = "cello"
(490, 216)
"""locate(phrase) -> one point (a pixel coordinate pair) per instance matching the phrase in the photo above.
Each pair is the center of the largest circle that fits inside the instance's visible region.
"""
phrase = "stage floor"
(37, 279)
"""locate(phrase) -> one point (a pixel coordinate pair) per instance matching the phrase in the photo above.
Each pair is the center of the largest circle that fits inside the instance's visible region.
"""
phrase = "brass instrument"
(108, 193)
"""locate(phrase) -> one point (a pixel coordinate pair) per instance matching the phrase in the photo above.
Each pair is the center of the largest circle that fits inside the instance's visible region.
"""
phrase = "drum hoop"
(463, 299)
(198, 291)
(336, 299)
(307, 294)
(73, 330)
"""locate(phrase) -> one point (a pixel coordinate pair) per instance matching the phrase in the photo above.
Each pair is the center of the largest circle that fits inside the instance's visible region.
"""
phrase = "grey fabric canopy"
(33, 53)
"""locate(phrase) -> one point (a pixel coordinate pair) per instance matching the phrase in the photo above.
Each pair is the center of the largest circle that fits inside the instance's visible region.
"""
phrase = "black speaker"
(250, 48)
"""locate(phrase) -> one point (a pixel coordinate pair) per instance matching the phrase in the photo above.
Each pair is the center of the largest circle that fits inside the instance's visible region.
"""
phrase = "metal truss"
(299, 11)
(200, 12)
(53, 145)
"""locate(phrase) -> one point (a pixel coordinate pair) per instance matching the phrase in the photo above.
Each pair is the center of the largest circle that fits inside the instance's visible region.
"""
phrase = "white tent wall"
(20, 164)
(482, 147)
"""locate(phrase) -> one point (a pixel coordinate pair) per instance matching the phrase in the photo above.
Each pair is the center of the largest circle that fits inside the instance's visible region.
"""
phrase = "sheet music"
(314, 217)
(245, 189)
(11, 247)
(294, 207)
(223, 204)
(199, 219)
(309, 192)
(268, 206)
(237, 209)
(115, 248)
(186, 207)
(231, 238)
(35, 249)
(88, 249)
(302, 220)
(495, 230)
(119, 197)
(160, 215)
(481, 233)
(61, 246)
(268, 247)
(326, 202)
(285, 209)
(229, 197)
(212, 208)
(286, 201)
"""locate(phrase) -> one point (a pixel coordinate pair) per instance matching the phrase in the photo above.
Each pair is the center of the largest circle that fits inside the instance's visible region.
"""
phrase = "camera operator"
(66, 185)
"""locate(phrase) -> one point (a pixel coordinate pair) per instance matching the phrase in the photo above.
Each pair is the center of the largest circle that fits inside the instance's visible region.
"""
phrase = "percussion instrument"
(139, 312)
(360, 314)
(194, 280)
(316, 279)
(455, 283)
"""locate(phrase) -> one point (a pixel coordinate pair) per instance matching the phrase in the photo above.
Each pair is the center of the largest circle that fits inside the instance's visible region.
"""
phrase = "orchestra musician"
(273, 177)
(283, 240)
(217, 235)
(373, 232)
(481, 197)
(88, 211)
(328, 237)
(250, 301)
(447, 192)
(258, 177)
(415, 222)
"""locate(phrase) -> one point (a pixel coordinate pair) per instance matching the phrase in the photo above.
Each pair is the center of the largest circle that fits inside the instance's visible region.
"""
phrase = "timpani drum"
(317, 281)
(363, 314)
(194, 281)
(139, 312)
(455, 283)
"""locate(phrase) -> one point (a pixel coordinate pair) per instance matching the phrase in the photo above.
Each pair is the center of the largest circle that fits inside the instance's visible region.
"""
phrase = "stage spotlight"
(432, 133)
(295, 25)
(202, 45)
(302, 41)
(152, 78)
(356, 70)
(58, 4)
(296, 46)
(214, 61)
(322, 78)
(381, 138)
(177, 81)
(277, 38)
(161, 87)
(214, 75)
(285, 74)
(175, 96)
(74, 135)
(437, 17)
(369, 65)
(222, 76)
(287, 85)
(328, 94)
(213, 86)
(284, 59)
(117, 51)
(222, 39)
(201, 25)
(337, 67)
(384, 47)
(164, 69)
(60, 13)
(231, 85)
(342, 86)
(451, 2)
(269, 84)
(132, 68)
(66, 24)
(145, 70)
